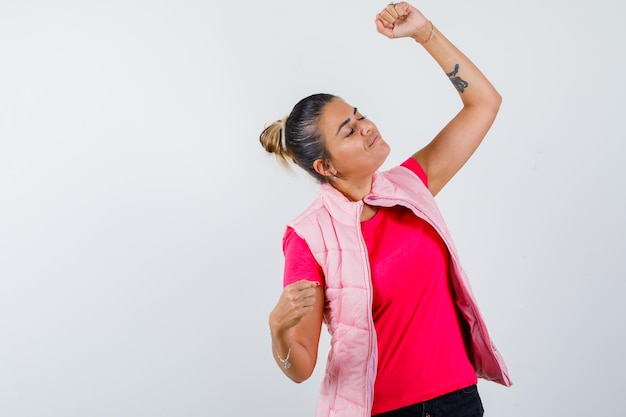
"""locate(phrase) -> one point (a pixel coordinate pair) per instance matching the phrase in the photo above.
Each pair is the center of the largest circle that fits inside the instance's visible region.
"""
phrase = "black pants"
(462, 403)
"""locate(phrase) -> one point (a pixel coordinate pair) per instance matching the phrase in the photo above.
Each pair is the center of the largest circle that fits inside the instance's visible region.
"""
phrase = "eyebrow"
(345, 122)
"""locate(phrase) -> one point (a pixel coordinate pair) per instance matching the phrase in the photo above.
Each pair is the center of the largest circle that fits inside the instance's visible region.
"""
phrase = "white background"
(141, 220)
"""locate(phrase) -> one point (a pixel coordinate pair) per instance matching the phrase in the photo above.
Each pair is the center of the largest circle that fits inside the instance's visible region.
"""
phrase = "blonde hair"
(273, 141)
(296, 138)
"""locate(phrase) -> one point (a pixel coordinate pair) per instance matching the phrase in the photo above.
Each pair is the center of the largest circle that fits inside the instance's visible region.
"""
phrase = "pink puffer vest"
(331, 228)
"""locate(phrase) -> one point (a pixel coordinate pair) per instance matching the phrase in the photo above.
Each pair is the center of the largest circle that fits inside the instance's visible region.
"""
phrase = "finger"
(307, 305)
(292, 291)
(386, 25)
(295, 309)
(305, 311)
(382, 29)
(296, 296)
(312, 297)
(304, 297)
(392, 10)
(295, 305)
(399, 11)
(403, 10)
(388, 17)
(307, 302)
(305, 283)
(302, 293)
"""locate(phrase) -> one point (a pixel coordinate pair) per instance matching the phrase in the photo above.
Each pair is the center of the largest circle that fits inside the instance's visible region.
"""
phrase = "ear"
(324, 168)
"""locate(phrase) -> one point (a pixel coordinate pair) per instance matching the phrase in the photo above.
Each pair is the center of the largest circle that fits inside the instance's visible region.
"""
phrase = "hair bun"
(273, 139)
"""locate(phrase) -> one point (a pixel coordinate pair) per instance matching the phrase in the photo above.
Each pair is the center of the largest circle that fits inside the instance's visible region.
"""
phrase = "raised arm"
(457, 141)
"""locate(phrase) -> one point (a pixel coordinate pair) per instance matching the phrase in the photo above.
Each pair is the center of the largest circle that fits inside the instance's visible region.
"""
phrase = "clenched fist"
(401, 20)
(295, 302)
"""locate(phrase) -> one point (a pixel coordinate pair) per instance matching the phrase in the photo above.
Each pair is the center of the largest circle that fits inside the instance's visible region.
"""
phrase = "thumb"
(380, 27)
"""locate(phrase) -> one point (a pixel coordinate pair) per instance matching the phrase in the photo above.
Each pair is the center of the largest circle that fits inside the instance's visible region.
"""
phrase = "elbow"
(298, 379)
(301, 373)
(491, 106)
(494, 102)
(488, 103)
(498, 101)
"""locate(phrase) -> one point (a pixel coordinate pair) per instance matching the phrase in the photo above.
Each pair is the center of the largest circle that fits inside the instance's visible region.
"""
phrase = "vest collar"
(349, 212)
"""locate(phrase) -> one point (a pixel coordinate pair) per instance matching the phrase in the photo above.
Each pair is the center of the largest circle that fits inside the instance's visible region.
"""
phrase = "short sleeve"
(414, 166)
(299, 261)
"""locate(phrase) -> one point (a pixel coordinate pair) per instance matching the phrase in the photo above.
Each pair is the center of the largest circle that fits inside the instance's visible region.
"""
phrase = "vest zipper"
(371, 330)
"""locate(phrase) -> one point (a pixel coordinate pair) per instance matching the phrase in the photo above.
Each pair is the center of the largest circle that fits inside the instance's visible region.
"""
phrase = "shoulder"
(409, 174)
(416, 168)
(312, 211)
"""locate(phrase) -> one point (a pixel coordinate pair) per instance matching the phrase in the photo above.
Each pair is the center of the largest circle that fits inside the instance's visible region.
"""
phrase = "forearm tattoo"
(459, 83)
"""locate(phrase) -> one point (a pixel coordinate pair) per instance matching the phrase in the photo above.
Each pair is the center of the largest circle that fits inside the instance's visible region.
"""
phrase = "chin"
(387, 150)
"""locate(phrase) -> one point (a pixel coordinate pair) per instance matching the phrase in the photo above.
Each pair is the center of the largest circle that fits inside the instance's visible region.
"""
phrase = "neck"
(353, 190)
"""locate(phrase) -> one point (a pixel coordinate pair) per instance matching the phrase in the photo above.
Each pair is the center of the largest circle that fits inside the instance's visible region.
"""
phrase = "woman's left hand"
(400, 20)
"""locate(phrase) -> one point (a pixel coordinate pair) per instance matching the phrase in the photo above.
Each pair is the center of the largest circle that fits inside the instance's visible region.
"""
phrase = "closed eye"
(351, 132)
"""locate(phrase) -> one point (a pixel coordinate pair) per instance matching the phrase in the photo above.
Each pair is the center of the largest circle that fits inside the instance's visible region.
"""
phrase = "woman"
(372, 257)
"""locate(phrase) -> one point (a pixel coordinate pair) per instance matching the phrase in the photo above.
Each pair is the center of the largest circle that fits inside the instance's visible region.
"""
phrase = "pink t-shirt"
(421, 351)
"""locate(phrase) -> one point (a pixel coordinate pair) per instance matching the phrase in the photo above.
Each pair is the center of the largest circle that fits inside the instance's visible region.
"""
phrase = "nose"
(366, 126)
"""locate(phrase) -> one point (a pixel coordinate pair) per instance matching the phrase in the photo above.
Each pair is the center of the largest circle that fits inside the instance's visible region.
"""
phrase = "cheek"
(348, 148)
(345, 157)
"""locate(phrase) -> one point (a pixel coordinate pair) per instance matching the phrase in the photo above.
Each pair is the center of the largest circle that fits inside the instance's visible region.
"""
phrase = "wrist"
(276, 330)
(425, 33)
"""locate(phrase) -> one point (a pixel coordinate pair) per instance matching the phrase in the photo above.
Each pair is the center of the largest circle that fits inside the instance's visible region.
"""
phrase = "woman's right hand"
(296, 301)
(295, 325)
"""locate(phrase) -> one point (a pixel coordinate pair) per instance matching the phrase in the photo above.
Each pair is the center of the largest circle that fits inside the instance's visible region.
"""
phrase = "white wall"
(141, 221)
